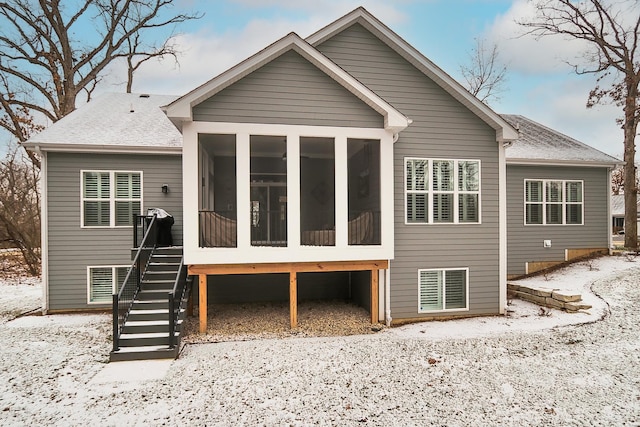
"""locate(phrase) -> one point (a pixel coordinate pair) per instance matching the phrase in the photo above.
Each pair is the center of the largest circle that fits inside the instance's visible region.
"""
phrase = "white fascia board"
(94, 148)
(568, 163)
(181, 109)
(504, 131)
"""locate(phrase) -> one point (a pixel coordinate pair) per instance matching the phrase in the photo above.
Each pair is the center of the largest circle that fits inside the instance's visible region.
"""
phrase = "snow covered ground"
(524, 369)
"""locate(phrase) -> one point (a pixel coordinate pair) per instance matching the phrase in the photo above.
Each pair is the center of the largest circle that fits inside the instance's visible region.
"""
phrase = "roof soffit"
(504, 131)
(181, 109)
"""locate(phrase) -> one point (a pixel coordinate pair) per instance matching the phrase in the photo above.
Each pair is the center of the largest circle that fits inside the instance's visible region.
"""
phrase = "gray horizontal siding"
(288, 90)
(525, 243)
(441, 128)
(72, 249)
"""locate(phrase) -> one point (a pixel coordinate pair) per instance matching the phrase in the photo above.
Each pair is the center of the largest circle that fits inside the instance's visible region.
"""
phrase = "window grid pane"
(431, 290)
(443, 208)
(455, 289)
(101, 285)
(417, 208)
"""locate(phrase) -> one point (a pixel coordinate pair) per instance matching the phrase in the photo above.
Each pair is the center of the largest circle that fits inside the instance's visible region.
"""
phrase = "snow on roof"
(617, 205)
(114, 119)
(538, 142)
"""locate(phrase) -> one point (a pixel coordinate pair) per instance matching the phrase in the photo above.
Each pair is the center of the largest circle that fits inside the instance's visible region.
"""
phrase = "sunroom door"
(268, 214)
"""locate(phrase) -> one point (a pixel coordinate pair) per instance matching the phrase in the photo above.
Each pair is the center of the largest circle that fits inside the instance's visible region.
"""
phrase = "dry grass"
(242, 322)
(12, 265)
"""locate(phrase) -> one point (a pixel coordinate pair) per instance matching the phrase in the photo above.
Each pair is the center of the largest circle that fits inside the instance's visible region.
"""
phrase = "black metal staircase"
(149, 309)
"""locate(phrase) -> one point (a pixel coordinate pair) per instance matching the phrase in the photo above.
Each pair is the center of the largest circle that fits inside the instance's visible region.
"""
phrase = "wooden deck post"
(293, 299)
(374, 296)
(202, 302)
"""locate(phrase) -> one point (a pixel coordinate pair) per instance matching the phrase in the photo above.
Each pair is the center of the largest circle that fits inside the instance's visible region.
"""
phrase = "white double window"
(110, 198)
(103, 282)
(443, 290)
(442, 191)
(553, 202)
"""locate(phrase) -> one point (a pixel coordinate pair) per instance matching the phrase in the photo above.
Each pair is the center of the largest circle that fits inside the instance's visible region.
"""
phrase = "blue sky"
(539, 85)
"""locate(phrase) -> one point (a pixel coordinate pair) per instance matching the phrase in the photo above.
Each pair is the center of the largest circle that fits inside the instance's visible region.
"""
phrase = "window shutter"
(468, 176)
(443, 208)
(534, 191)
(430, 290)
(455, 289)
(443, 175)
(101, 285)
(417, 177)
(574, 192)
(468, 207)
(417, 208)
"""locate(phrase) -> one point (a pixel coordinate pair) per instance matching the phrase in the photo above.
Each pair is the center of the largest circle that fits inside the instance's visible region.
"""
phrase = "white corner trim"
(502, 218)
(44, 230)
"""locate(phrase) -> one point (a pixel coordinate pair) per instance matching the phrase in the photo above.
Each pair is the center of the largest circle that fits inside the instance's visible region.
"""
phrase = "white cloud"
(206, 54)
(528, 54)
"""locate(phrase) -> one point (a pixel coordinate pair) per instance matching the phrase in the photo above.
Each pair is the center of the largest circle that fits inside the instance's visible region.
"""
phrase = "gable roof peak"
(360, 15)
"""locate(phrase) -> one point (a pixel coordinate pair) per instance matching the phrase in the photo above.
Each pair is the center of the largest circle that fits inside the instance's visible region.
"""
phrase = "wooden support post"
(293, 299)
(202, 302)
(374, 296)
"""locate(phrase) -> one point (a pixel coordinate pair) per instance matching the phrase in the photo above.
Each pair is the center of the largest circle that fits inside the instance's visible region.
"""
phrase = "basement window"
(443, 290)
(103, 282)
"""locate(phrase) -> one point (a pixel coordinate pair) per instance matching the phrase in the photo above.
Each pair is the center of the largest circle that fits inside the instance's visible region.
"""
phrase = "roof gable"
(182, 109)
(361, 16)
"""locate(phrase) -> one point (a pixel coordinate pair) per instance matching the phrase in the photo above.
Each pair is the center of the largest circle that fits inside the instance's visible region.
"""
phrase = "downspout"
(387, 296)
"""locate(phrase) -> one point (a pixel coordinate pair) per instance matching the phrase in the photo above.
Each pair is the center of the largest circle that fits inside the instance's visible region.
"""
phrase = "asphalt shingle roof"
(115, 119)
(538, 142)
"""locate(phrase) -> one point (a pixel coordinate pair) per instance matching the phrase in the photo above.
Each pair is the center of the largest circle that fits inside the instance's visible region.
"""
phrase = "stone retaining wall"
(547, 297)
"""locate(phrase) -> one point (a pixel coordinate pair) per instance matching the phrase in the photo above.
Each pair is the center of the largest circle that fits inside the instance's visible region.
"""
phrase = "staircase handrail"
(177, 293)
(130, 286)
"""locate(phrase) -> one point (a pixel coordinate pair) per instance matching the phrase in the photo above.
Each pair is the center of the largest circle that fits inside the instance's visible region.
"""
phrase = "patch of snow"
(524, 369)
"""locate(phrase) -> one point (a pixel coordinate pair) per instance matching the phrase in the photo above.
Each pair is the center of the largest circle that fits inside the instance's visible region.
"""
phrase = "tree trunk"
(630, 187)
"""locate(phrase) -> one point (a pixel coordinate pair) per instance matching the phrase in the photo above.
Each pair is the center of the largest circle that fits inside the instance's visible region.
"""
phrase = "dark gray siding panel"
(71, 248)
(441, 128)
(288, 90)
(525, 242)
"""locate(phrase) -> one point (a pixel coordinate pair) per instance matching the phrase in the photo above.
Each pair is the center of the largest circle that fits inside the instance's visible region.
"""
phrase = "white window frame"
(564, 203)
(112, 196)
(444, 295)
(114, 278)
(430, 192)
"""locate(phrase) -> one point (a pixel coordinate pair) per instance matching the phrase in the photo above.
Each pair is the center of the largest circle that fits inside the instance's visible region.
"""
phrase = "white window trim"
(544, 202)
(112, 197)
(430, 192)
(114, 277)
(445, 310)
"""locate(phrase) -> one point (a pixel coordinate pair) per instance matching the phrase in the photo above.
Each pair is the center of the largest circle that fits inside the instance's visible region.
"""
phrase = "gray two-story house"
(344, 165)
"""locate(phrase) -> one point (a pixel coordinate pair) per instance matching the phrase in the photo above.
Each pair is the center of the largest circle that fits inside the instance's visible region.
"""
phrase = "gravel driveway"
(574, 375)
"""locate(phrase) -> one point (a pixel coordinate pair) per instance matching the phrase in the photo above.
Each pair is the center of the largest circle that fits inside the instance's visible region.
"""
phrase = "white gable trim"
(181, 109)
(504, 131)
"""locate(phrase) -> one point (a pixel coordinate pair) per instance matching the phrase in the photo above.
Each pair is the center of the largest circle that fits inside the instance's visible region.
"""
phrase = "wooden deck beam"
(287, 267)
(293, 299)
(202, 302)
(374, 296)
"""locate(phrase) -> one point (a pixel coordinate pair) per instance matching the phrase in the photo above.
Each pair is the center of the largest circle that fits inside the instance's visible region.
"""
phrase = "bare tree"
(610, 32)
(617, 180)
(485, 75)
(20, 206)
(52, 50)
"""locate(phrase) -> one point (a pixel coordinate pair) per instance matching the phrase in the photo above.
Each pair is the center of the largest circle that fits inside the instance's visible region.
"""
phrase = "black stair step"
(144, 353)
(145, 339)
(148, 326)
(153, 294)
(161, 304)
(148, 314)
